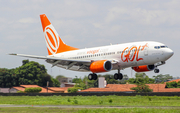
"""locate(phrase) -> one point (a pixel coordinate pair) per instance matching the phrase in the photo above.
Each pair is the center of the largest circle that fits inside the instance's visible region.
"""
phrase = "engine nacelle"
(144, 68)
(100, 66)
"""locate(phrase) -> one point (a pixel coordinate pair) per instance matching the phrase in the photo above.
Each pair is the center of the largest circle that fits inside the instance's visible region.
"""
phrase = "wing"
(61, 62)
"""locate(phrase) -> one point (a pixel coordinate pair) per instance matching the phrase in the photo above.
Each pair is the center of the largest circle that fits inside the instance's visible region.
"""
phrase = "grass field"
(92, 100)
(77, 110)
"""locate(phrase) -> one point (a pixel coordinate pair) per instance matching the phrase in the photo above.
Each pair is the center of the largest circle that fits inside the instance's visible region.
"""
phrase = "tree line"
(29, 73)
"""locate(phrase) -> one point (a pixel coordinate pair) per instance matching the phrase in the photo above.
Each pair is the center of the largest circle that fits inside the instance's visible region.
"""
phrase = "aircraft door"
(145, 58)
(145, 52)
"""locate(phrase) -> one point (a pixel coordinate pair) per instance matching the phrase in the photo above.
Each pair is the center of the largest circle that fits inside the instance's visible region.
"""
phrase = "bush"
(73, 89)
(75, 102)
(142, 88)
(173, 84)
(69, 100)
(110, 101)
(100, 102)
(20, 91)
(33, 90)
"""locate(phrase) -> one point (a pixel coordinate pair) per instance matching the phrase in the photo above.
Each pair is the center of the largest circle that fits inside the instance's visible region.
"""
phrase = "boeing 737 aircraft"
(141, 56)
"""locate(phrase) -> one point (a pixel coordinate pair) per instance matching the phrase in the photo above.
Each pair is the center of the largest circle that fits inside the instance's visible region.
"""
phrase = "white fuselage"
(123, 55)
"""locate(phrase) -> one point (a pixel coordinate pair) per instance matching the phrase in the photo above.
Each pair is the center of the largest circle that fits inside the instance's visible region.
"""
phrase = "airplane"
(140, 56)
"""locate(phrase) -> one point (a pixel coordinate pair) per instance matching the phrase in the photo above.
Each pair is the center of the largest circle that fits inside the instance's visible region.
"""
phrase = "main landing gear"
(118, 75)
(92, 76)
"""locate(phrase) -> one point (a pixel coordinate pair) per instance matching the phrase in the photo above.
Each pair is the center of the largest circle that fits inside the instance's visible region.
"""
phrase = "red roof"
(27, 86)
(57, 89)
(126, 88)
(112, 88)
(22, 88)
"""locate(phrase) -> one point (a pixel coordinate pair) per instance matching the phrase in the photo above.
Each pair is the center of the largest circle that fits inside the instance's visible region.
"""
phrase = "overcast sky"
(88, 23)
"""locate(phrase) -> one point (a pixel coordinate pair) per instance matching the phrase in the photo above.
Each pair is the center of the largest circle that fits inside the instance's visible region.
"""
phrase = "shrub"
(73, 89)
(110, 101)
(69, 100)
(173, 84)
(20, 91)
(100, 102)
(33, 90)
(141, 88)
(75, 102)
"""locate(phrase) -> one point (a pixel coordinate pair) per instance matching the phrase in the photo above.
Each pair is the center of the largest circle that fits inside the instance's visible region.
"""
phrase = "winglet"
(53, 41)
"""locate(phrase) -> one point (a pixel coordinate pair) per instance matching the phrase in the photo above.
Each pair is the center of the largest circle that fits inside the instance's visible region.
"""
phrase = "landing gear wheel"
(90, 76)
(156, 70)
(120, 76)
(116, 76)
(94, 76)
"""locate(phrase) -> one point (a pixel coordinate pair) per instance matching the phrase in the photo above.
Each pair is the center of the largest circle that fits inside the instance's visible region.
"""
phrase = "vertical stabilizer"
(53, 41)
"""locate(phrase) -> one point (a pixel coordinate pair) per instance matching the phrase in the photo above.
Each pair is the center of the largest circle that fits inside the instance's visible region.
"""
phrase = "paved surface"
(87, 106)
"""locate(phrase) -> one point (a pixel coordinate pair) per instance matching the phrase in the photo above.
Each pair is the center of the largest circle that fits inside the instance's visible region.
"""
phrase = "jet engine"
(143, 68)
(100, 66)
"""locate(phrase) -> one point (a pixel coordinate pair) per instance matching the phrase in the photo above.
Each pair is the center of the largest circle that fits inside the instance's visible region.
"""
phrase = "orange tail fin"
(53, 41)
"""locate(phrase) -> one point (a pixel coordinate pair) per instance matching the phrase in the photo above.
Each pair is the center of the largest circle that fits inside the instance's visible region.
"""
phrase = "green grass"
(92, 100)
(84, 110)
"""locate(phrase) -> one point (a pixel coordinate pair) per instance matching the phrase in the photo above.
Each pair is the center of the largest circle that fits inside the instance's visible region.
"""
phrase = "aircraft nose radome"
(169, 53)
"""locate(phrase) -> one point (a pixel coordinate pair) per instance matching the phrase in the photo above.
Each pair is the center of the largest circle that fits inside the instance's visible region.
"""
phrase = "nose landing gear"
(156, 70)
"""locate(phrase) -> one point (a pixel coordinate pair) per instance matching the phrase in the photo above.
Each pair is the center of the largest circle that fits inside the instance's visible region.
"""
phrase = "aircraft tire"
(94, 76)
(120, 76)
(156, 70)
(116, 76)
(90, 76)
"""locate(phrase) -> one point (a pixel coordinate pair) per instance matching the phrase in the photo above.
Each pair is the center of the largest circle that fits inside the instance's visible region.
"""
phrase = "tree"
(142, 88)
(162, 78)
(5, 78)
(77, 80)
(55, 82)
(59, 77)
(173, 84)
(141, 78)
(29, 73)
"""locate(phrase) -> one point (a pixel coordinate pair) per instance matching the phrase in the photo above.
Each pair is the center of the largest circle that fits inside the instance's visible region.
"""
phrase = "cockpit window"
(164, 47)
(158, 47)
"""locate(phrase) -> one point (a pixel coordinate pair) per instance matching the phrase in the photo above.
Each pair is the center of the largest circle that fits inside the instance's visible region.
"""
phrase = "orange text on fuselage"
(93, 51)
(132, 53)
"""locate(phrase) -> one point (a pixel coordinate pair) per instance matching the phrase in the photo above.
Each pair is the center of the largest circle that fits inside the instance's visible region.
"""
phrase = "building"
(127, 88)
(66, 82)
(4, 90)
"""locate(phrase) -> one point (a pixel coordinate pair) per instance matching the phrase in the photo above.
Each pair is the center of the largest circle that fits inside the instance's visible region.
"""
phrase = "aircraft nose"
(169, 53)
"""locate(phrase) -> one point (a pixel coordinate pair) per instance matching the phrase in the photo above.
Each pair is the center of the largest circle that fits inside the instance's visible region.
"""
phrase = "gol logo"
(132, 53)
(52, 39)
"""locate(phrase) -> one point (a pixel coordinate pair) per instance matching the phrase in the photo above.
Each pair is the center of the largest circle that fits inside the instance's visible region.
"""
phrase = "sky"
(88, 23)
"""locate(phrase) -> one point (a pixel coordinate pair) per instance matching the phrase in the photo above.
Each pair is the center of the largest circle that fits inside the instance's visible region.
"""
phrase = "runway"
(86, 106)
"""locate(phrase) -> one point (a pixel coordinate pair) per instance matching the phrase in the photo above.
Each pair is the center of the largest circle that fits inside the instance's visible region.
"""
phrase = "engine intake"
(143, 68)
(100, 66)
